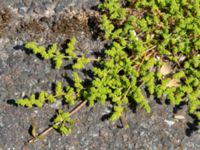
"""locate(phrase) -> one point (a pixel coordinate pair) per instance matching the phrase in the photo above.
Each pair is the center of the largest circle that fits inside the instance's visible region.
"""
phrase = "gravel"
(22, 73)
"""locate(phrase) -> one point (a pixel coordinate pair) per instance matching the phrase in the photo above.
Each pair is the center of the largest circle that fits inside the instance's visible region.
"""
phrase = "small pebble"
(169, 122)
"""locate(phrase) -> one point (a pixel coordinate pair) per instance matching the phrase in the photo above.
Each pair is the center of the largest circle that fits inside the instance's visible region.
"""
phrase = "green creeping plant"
(114, 9)
(63, 123)
(107, 26)
(67, 93)
(135, 60)
(54, 54)
(39, 101)
(164, 31)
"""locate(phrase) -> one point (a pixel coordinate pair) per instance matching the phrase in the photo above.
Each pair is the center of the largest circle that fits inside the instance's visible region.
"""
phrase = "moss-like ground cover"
(153, 47)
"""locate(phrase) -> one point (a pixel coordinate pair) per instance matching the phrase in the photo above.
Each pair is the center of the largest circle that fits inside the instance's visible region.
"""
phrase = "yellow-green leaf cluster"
(63, 122)
(36, 101)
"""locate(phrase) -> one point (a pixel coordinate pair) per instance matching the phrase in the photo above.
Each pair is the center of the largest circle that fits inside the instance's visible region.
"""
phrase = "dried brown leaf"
(173, 83)
(165, 69)
(33, 129)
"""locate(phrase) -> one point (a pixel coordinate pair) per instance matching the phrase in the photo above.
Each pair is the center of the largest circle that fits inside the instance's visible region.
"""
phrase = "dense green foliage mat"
(153, 48)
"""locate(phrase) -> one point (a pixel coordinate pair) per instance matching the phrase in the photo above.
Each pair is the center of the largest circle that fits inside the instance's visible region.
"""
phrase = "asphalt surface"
(22, 73)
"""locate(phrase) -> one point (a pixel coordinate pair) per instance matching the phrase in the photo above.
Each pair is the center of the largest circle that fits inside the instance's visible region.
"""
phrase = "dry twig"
(47, 130)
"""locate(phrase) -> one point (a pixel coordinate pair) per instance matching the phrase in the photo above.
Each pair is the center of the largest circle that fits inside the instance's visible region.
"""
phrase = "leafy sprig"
(37, 101)
(63, 123)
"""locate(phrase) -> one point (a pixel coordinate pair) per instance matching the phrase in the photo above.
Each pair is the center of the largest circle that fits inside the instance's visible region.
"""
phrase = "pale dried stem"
(147, 54)
(47, 130)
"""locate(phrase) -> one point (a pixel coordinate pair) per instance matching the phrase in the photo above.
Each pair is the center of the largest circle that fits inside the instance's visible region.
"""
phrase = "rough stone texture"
(49, 21)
